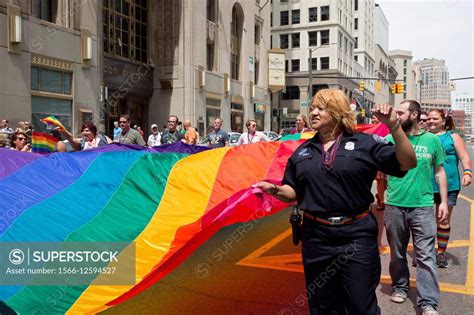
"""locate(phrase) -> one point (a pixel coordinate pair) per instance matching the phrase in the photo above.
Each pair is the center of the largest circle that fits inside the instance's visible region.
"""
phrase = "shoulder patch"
(304, 152)
(379, 139)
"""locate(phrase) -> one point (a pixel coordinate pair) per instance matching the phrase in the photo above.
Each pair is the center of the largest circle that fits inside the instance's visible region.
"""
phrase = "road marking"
(470, 259)
(293, 263)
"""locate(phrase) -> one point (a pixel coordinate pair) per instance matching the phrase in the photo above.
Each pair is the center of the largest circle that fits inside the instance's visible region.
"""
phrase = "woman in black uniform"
(330, 177)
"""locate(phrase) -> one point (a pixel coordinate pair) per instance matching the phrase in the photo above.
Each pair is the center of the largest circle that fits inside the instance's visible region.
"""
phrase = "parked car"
(233, 138)
(272, 136)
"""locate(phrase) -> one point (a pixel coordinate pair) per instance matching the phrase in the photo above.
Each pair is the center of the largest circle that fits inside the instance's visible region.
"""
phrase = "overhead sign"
(276, 69)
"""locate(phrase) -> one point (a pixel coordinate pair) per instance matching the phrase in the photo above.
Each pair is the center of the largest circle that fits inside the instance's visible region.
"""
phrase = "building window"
(356, 23)
(271, 19)
(211, 30)
(295, 16)
(324, 63)
(53, 82)
(325, 13)
(356, 44)
(295, 40)
(236, 117)
(235, 38)
(356, 5)
(284, 41)
(324, 37)
(405, 63)
(314, 64)
(295, 65)
(313, 14)
(291, 93)
(125, 29)
(44, 10)
(283, 1)
(213, 111)
(340, 39)
(286, 65)
(312, 38)
(284, 18)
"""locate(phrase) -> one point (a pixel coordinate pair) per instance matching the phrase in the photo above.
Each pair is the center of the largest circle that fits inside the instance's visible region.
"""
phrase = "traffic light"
(361, 86)
(394, 88)
(378, 85)
(400, 88)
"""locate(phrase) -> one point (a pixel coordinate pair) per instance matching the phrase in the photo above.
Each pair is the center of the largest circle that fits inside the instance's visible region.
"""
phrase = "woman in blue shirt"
(455, 149)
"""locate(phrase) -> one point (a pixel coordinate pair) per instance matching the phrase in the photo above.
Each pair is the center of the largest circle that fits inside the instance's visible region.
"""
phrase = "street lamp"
(310, 61)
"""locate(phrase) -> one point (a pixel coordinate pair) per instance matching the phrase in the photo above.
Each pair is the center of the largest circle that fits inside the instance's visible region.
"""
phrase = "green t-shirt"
(415, 189)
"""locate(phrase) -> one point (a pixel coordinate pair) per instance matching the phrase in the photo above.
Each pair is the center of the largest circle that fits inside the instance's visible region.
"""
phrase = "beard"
(407, 125)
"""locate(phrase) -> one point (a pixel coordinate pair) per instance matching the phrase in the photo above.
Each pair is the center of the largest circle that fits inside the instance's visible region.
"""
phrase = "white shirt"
(154, 140)
(245, 138)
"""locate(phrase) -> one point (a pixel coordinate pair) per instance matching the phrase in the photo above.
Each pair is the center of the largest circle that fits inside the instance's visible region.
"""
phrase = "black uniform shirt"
(345, 189)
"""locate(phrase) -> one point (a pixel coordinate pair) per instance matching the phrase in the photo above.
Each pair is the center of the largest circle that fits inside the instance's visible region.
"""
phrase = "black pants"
(342, 267)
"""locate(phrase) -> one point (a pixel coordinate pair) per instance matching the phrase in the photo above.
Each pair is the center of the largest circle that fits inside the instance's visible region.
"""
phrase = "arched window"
(236, 40)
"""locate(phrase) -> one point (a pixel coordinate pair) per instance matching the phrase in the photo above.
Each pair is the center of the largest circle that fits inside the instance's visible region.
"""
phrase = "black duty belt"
(339, 220)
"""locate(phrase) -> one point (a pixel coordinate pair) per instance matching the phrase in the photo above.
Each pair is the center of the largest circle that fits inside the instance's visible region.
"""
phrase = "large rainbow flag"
(166, 200)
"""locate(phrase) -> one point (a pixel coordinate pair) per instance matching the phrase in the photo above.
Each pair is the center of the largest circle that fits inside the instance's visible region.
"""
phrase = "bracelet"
(468, 171)
(397, 125)
(275, 190)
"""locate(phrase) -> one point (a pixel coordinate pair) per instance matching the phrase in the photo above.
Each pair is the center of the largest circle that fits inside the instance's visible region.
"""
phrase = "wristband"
(275, 190)
(468, 171)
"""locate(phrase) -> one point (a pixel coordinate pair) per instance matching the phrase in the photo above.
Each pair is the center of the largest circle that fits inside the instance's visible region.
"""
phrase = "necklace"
(329, 156)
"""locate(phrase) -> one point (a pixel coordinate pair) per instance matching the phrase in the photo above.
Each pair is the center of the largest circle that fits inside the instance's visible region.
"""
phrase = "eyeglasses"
(172, 121)
(252, 125)
(423, 120)
(21, 139)
(123, 122)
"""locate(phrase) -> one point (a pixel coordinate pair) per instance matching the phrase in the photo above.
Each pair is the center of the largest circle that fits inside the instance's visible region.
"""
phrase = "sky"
(441, 29)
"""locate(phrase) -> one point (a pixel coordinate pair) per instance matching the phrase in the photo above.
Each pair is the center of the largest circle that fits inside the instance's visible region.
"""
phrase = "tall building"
(49, 62)
(465, 102)
(317, 37)
(406, 74)
(433, 84)
(197, 59)
(364, 49)
(385, 68)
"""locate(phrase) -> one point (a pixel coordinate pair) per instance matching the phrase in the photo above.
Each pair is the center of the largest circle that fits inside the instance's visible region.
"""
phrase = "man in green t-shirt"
(410, 208)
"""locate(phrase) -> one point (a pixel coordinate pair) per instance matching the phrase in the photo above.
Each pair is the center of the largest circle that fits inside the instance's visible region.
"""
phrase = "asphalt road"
(257, 270)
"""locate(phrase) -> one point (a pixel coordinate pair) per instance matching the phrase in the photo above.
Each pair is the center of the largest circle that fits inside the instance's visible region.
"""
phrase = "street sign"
(276, 69)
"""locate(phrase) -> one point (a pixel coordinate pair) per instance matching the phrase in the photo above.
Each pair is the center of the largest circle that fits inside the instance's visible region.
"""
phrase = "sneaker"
(398, 297)
(441, 260)
(429, 311)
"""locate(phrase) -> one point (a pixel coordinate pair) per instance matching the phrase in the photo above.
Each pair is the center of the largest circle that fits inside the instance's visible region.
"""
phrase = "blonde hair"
(305, 120)
(336, 103)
